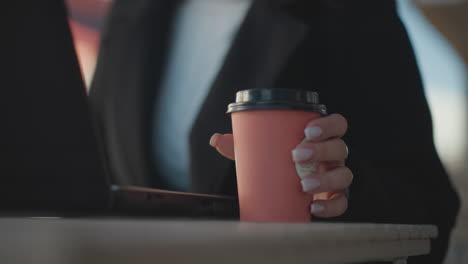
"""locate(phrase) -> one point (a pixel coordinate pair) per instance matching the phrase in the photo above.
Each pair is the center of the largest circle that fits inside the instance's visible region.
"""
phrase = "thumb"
(224, 144)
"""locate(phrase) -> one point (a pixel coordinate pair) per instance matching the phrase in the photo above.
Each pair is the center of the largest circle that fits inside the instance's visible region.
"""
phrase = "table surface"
(54, 241)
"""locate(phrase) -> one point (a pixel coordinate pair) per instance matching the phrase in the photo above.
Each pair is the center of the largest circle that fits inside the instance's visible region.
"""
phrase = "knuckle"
(332, 210)
(339, 206)
(347, 176)
(340, 143)
(343, 205)
(339, 147)
(337, 179)
(342, 120)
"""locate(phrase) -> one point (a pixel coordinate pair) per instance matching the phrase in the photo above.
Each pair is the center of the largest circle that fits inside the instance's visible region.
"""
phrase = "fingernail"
(310, 184)
(214, 140)
(301, 154)
(304, 169)
(312, 132)
(316, 208)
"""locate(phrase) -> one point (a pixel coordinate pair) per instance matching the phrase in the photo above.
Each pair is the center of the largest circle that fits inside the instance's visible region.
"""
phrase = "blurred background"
(438, 31)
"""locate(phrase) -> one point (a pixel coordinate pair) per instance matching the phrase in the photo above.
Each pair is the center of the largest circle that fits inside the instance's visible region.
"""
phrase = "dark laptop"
(50, 160)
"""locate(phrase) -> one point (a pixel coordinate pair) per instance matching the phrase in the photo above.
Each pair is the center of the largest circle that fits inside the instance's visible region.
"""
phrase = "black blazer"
(358, 57)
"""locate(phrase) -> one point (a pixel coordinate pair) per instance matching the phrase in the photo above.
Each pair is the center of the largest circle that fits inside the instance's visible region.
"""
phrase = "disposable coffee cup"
(267, 125)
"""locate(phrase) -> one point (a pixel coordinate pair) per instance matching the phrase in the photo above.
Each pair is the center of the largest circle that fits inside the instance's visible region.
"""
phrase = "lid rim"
(247, 107)
(270, 99)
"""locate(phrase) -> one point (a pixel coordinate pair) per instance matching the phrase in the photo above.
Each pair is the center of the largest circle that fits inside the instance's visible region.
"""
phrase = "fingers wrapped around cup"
(320, 164)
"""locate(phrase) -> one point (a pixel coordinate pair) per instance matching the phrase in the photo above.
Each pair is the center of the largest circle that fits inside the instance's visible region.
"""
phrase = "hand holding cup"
(273, 142)
(324, 145)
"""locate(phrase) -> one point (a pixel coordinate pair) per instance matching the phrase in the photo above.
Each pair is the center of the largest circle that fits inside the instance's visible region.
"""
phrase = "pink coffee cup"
(267, 125)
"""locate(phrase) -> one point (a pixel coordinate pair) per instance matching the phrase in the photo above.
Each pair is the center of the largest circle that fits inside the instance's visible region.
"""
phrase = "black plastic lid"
(268, 99)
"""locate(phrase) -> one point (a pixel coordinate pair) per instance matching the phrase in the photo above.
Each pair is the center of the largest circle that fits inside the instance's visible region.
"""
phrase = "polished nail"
(304, 169)
(310, 184)
(301, 154)
(312, 132)
(316, 208)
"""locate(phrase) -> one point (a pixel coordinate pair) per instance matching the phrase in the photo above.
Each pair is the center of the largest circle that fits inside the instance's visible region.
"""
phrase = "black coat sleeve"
(361, 62)
(398, 176)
